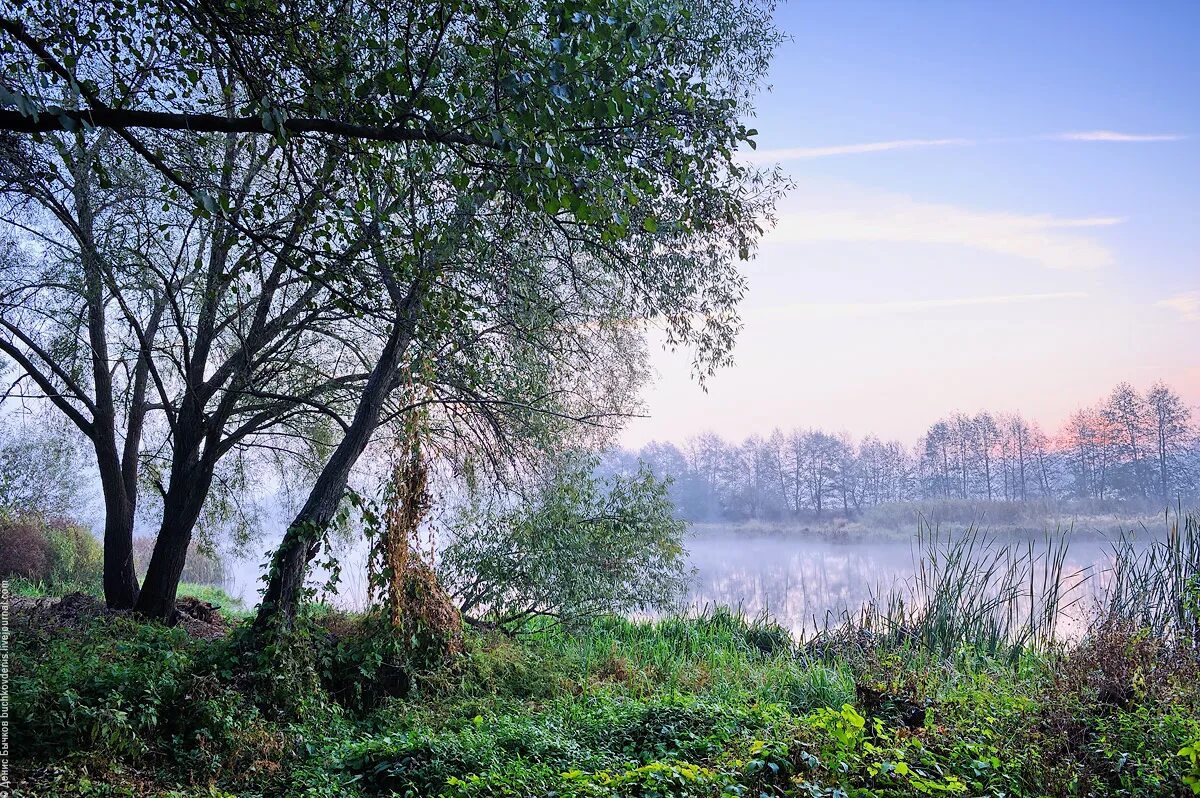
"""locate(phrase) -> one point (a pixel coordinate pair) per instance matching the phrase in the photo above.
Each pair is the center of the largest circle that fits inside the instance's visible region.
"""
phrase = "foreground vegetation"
(960, 684)
(957, 688)
(707, 705)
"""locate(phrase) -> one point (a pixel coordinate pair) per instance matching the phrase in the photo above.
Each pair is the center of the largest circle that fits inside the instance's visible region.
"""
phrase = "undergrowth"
(929, 698)
(710, 705)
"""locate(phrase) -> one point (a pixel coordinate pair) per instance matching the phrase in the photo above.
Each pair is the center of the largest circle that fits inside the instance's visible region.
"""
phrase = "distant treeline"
(1130, 448)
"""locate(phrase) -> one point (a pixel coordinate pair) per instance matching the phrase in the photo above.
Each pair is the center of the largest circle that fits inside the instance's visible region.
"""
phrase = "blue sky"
(997, 206)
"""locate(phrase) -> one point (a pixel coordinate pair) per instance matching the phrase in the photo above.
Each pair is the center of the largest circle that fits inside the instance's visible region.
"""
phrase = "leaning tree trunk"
(302, 540)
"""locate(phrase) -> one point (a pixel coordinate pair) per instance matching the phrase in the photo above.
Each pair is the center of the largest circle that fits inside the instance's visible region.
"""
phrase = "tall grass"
(998, 597)
(1157, 587)
(971, 590)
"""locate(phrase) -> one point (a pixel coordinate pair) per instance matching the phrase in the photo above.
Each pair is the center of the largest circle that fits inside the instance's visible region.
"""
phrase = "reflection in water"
(805, 584)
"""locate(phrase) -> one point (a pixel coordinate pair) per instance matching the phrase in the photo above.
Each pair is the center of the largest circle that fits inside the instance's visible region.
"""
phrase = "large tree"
(598, 138)
(169, 339)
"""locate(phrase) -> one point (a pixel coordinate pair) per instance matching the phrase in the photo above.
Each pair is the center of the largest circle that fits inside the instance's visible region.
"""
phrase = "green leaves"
(578, 547)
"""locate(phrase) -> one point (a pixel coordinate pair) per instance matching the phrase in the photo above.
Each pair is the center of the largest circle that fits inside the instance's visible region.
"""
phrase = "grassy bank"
(711, 705)
(958, 687)
(212, 594)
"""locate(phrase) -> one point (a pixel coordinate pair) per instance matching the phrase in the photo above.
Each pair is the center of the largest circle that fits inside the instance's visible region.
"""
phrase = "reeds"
(1156, 585)
(971, 590)
(972, 593)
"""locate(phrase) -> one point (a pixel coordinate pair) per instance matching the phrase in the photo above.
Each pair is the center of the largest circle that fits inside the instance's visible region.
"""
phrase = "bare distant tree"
(1128, 415)
(1171, 424)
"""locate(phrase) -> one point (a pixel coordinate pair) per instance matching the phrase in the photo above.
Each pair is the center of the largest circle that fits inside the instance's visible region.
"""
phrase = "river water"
(801, 582)
(806, 585)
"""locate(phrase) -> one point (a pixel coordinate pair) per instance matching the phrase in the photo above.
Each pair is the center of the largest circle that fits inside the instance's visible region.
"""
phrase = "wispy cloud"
(1089, 221)
(1186, 304)
(1112, 135)
(834, 150)
(800, 153)
(847, 213)
(861, 309)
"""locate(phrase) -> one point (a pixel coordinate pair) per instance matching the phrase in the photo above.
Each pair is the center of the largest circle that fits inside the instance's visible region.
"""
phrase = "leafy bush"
(653, 780)
(106, 688)
(111, 690)
(686, 730)
(417, 764)
(1191, 776)
(362, 659)
(24, 550)
(583, 547)
(75, 555)
(57, 553)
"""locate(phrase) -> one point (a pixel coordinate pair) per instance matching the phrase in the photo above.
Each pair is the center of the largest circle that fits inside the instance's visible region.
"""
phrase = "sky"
(997, 206)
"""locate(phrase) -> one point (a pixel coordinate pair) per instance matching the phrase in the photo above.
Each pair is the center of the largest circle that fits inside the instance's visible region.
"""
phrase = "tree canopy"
(324, 215)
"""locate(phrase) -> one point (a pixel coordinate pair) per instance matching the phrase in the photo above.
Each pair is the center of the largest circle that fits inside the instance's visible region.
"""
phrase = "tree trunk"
(191, 478)
(120, 576)
(120, 579)
(302, 540)
(1162, 465)
(181, 508)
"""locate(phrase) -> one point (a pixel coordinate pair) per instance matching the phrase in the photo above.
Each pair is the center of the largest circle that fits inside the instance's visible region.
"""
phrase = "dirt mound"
(200, 619)
(50, 615)
(76, 611)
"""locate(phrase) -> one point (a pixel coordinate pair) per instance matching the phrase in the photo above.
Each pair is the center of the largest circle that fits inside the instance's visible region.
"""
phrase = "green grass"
(211, 593)
(26, 588)
(229, 605)
(960, 690)
(709, 705)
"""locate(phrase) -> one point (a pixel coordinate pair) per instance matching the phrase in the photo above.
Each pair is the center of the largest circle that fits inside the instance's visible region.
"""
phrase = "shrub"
(416, 764)
(653, 780)
(582, 547)
(677, 730)
(106, 689)
(363, 658)
(75, 555)
(24, 550)
(111, 692)
(57, 553)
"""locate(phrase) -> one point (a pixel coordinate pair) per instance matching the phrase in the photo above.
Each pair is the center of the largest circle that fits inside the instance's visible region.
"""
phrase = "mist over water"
(802, 582)
(807, 584)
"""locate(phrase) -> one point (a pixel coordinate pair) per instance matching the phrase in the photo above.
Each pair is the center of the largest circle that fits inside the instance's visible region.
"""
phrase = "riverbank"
(711, 705)
(901, 522)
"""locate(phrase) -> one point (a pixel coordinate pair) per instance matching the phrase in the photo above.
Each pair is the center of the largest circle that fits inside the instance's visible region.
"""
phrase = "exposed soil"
(78, 610)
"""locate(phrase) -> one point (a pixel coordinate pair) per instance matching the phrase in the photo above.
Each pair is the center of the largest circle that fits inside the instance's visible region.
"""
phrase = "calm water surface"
(803, 583)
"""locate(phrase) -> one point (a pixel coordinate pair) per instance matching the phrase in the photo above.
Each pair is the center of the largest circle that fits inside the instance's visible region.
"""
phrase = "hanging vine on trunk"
(406, 503)
(423, 619)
